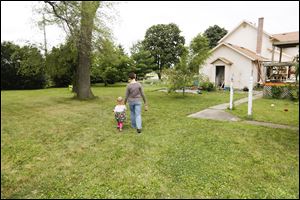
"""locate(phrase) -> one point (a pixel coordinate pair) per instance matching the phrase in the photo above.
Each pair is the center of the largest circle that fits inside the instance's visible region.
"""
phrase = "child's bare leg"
(121, 126)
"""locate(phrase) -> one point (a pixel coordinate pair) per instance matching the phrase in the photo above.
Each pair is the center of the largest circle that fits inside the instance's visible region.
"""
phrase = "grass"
(55, 147)
(263, 111)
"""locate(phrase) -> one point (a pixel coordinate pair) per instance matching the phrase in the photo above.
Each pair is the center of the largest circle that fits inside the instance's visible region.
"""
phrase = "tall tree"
(61, 63)
(105, 60)
(83, 82)
(110, 63)
(165, 44)
(78, 18)
(143, 62)
(214, 34)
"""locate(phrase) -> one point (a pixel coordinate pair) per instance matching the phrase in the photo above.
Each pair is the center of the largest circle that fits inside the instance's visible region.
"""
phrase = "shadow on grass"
(68, 100)
(109, 85)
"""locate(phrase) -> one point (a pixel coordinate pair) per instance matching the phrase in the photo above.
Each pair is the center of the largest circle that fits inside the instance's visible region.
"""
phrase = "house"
(241, 52)
(278, 70)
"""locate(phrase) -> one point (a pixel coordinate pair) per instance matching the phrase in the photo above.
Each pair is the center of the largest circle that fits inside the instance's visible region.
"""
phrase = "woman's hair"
(132, 75)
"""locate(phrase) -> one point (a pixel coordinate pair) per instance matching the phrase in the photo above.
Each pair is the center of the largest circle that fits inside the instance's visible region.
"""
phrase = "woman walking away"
(134, 95)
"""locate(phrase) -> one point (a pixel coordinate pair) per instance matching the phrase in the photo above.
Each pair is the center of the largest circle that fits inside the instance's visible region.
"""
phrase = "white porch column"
(250, 93)
(231, 94)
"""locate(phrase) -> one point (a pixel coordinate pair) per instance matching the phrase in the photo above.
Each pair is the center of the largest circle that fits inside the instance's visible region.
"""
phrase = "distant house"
(241, 52)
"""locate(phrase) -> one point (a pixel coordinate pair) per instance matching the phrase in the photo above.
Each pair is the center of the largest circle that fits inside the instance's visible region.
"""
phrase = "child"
(119, 111)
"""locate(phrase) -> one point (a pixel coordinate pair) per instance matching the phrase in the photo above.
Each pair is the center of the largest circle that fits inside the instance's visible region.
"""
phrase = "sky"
(133, 18)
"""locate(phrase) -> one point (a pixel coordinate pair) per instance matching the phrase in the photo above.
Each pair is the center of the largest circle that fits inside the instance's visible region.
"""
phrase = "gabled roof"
(243, 51)
(286, 37)
(224, 60)
(240, 24)
(286, 40)
(252, 55)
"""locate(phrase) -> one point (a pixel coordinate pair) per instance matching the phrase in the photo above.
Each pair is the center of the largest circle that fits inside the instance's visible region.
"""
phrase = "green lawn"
(263, 111)
(55, 147)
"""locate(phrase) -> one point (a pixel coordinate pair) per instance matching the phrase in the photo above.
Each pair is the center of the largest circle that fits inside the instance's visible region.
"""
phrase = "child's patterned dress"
(120, 116)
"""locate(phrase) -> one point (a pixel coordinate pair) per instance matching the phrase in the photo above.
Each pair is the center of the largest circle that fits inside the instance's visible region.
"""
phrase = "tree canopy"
(165, 45)
(21, 67)
(214, 34)
(143, 62)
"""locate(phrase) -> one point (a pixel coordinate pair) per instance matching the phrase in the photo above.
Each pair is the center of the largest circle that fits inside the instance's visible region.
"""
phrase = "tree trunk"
(74, 81)
(83, 82)
(159, 69)
(159, 75)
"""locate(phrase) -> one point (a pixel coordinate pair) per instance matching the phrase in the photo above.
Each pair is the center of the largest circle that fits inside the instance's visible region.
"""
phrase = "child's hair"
(119, 99)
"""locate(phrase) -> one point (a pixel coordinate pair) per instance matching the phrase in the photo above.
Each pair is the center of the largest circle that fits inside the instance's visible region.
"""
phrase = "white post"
(231, 94)
(250, 96)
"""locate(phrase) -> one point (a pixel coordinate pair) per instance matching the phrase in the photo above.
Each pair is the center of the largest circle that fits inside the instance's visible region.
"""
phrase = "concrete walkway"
(218, 113)
(295, 128)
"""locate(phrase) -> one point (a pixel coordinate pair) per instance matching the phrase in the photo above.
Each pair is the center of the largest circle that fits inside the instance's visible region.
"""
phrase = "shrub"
(245, 89)
(208, 86)
(293, 92)
(276, 92)
(258, 86)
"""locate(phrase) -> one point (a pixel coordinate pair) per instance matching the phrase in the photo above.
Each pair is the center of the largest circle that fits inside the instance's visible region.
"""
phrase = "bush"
(276, 92)
(293, 92)
(208, 86)
(258, 86)
(245, 89)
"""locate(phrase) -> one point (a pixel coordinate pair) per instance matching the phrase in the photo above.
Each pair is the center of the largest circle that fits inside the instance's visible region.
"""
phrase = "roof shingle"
(247, 52)
(286, 37)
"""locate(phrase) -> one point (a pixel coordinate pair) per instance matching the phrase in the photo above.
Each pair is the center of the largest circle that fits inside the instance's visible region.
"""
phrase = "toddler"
(120, 114)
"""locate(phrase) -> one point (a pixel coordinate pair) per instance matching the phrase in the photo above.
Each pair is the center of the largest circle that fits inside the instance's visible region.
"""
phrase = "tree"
(110, 63)
(199, 52)
(104, 62)
(181, 76)
(9, 66)
(165, 44)
(143, 62)
(21, 67)
(61, 64)
(191, 60)
(214, 34)
(82, 80)
(79, 18)
(125, 64)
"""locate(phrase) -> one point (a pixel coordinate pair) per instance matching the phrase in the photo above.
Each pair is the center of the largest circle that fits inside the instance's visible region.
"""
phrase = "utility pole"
(45, 39)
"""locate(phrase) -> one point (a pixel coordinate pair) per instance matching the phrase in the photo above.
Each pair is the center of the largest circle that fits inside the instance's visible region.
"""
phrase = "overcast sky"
(134, 18)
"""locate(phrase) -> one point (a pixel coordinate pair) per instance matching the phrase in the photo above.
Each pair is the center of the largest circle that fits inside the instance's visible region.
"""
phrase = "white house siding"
(246, 36)
(293, 51)
(227, 72)
(285, 57)
(240, 69)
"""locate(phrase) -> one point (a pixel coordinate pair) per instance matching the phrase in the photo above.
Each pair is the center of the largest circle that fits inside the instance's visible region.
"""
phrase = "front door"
(220, 74)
